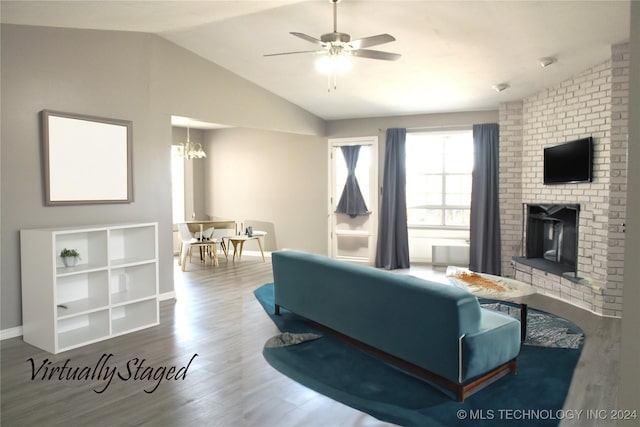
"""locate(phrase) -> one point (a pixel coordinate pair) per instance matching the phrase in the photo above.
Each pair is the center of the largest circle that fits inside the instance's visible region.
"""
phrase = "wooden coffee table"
(238, 244)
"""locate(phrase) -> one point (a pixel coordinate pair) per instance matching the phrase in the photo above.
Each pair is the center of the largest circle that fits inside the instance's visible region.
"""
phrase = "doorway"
(353, 238)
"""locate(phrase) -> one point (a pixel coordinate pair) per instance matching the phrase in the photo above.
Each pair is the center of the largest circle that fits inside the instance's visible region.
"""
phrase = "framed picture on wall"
(86, 159)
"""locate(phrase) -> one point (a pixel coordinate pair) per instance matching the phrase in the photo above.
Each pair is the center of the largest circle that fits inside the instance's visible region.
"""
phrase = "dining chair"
(221, 234)
(207, 236)
(188, 242)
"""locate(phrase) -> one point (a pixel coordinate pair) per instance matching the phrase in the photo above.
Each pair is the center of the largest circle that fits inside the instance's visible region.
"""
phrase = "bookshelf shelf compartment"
(131, 317)
(90, 244)
(132, 283)
(111, 291)
(129, 245)
(80, 330)
(80, 293)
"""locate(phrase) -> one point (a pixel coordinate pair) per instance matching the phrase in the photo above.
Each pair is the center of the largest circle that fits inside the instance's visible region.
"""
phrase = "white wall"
(629, 389)
(272, 177)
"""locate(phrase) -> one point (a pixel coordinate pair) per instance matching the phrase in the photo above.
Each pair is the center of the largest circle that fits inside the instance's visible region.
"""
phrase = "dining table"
(198, 226)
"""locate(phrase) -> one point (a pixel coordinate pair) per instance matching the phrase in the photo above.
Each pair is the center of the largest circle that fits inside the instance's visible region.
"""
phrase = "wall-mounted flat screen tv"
(569, 162)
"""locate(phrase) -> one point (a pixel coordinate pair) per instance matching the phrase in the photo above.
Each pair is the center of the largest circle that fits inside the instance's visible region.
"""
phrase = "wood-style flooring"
(228, 383)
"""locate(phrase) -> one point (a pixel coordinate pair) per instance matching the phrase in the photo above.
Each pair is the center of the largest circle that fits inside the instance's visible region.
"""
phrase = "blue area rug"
(543, 329)
(342, 372)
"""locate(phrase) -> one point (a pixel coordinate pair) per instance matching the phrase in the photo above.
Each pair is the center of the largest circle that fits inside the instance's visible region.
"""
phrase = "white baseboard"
(167, 295)
(251, 253)
(5, 334)
(10, 333)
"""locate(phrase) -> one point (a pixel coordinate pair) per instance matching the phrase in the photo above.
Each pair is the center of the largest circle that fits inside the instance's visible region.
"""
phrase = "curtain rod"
(417, 129)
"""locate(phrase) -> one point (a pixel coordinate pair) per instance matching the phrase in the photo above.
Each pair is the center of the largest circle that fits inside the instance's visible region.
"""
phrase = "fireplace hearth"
(550, 238)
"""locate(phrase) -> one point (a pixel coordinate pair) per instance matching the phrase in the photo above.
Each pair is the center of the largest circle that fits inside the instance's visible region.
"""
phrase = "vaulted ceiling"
(453, 52)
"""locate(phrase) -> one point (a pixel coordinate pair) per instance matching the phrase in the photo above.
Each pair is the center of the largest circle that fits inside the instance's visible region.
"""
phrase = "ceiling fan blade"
(308, 38)
(371, 41)
(293, 53)
(376, 54)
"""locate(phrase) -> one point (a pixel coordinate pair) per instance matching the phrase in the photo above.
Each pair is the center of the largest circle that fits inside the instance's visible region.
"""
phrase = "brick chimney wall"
(592, 103)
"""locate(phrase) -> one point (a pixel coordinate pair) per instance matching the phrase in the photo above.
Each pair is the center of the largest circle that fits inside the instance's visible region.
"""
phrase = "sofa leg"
(277, 310)
(523, 321)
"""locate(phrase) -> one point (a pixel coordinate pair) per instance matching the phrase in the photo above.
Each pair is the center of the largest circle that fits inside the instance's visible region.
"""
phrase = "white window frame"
(372, 233)
(442, 206)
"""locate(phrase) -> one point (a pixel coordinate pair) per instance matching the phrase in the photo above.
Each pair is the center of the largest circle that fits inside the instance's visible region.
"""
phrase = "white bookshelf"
(113, 290)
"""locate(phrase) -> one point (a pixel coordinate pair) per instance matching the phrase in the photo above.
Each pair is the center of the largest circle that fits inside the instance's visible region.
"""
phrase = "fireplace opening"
(550, 238)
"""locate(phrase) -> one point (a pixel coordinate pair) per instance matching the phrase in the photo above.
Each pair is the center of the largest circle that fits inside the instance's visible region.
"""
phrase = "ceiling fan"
(335, 46)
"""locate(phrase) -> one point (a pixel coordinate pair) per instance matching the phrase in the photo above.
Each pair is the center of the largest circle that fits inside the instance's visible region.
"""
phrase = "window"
(362, 173)
(439, 166)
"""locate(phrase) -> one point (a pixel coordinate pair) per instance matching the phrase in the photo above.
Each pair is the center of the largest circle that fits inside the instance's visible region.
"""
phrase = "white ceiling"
(453, 52)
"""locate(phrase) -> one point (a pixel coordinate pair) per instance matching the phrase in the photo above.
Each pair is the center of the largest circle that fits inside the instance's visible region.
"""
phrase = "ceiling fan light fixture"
(333, 64)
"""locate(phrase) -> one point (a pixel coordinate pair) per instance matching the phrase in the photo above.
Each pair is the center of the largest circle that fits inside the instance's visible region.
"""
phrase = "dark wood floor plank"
(229, 383)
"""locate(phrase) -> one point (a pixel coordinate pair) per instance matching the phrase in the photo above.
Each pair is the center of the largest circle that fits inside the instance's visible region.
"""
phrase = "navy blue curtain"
(392, 250)
(484, 251)
(351, 202)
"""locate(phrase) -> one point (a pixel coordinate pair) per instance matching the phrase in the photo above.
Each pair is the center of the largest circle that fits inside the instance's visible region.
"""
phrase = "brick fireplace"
(593, 103)
(550, 238)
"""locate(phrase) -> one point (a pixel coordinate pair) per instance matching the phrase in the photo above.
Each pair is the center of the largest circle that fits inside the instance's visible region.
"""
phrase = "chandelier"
(189, 150)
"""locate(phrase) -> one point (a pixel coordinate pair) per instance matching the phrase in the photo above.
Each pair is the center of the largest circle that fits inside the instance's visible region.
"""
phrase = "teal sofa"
(437, 331)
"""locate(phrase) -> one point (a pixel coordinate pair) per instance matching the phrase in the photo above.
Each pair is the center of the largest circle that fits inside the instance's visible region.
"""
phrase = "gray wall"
(192, 87)
(133, 76)
(276, 179)
(379, 125)
(629, 390)
(281, 178)
(194, 184)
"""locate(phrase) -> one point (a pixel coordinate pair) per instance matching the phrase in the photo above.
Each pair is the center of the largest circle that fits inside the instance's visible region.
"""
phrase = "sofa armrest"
(496, 342)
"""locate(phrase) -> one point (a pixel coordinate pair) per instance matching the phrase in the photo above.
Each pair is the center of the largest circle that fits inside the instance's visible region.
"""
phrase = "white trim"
(167, 296)
(332, 146)
(10, 333)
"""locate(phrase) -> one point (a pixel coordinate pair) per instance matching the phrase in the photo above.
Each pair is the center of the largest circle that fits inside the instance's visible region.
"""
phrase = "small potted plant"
(69, 257)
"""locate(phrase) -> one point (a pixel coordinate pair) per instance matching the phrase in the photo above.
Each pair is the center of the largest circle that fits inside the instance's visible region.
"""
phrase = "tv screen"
(568, 162)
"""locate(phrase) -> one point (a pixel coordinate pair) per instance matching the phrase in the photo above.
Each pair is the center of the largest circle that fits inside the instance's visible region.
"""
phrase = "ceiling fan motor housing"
(335, 37)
